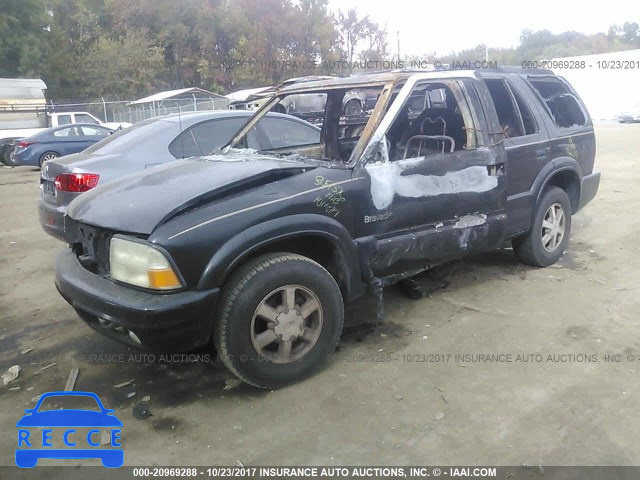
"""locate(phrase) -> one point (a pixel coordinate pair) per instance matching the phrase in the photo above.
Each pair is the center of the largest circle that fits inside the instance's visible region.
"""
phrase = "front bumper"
(51, 219)
(169, 322)
(589, 188)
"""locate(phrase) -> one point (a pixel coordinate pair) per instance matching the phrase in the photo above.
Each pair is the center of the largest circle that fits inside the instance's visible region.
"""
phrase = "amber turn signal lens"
(164, 279)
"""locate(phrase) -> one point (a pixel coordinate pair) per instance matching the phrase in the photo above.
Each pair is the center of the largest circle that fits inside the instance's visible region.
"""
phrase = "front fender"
(231, 254)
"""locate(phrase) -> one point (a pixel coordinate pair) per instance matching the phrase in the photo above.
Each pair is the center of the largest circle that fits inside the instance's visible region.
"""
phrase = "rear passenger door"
(68, 140)
(93, 134)
(526, 144)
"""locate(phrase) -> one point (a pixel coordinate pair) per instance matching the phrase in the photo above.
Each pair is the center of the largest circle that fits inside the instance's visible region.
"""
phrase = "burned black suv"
(257, 251)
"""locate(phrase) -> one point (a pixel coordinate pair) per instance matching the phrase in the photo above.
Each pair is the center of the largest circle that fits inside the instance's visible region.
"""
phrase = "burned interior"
(341, 113)
(433, 118)
(431, 121)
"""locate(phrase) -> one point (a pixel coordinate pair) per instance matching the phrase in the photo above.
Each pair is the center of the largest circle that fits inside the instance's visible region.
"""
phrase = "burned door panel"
(426, 211)
(437, 243)
(437, 205)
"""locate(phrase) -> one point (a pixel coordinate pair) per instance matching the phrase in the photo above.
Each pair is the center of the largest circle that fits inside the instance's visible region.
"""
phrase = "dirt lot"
(382, 399)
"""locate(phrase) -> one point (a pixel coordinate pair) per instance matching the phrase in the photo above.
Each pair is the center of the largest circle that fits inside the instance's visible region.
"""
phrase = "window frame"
(569, 89)
(266, 141)
(514, 104)
(67, 115)
(67, 127)
(516, 94)
(460, 92)
(190, 129)
(93, 121)
(180, 137)
(104, 132)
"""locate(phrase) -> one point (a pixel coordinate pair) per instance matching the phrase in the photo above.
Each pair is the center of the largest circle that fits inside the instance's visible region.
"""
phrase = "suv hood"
(139, 202)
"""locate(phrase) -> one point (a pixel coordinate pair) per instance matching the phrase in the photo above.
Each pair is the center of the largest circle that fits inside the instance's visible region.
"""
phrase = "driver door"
(439, 194)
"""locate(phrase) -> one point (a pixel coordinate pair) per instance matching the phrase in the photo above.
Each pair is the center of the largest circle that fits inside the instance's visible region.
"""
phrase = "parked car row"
(248, 234)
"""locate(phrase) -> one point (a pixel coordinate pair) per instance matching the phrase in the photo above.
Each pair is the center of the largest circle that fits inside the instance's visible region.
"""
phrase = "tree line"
(124, 49)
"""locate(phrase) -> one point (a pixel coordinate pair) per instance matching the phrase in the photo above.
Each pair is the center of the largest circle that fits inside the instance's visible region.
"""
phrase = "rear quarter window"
(129, 138)
(561, 103)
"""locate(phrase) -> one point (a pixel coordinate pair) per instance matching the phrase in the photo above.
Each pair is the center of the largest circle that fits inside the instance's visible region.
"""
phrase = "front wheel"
(280, 318)
(549, 235)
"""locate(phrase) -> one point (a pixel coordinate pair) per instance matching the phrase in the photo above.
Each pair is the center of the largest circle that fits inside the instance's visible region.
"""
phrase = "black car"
(258, 250)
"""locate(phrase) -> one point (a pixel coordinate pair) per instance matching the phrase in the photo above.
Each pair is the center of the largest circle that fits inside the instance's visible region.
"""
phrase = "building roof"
(17, 89)
(170, 94)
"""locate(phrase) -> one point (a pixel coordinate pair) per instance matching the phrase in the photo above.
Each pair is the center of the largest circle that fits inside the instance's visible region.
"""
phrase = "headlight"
(142, 265)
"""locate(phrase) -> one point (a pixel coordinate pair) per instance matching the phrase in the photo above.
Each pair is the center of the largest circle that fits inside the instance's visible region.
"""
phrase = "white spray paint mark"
(467, 221)
(387, 181)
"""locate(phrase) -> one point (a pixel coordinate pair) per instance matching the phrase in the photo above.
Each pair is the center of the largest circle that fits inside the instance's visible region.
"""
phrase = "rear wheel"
(549, 235)
(7, 156)
(45, 157)
(280, 318)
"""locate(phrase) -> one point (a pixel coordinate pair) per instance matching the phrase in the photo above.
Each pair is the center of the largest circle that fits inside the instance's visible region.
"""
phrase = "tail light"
(25, 144)
(76, 182)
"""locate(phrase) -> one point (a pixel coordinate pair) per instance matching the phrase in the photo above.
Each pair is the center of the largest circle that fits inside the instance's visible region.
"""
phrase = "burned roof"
(381, 78)
(323, 83)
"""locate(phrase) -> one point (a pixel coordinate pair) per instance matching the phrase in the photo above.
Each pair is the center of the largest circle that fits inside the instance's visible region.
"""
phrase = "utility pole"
(398, 33)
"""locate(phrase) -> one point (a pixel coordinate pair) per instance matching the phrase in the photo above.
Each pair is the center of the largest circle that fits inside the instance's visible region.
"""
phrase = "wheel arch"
(318, 237)
(565, 173)
(47, 151)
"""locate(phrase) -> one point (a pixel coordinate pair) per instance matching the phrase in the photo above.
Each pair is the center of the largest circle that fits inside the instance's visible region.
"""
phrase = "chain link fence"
(130, 112)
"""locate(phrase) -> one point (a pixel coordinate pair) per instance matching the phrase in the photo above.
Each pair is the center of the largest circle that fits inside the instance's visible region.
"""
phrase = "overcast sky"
(456, 25)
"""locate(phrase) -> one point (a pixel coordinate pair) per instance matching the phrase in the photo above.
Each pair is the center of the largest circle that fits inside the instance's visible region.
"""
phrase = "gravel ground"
(412, 390)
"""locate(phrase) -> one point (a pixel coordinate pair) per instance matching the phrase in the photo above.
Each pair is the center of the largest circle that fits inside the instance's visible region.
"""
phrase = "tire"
(265, 283)
(542, 247)
(48, 156)
(6, 157)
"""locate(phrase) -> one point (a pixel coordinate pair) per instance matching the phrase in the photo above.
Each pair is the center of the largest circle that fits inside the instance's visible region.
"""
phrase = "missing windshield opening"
(339, 117)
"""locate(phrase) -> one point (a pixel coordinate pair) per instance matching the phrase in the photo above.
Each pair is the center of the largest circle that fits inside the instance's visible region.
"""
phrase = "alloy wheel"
(287, 324)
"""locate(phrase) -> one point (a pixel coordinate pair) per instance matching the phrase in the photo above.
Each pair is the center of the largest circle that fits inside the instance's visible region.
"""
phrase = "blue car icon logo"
(35, 444)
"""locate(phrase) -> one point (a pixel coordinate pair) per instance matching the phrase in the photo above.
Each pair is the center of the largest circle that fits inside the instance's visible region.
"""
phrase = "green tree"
(23, 38)
(122, 68)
